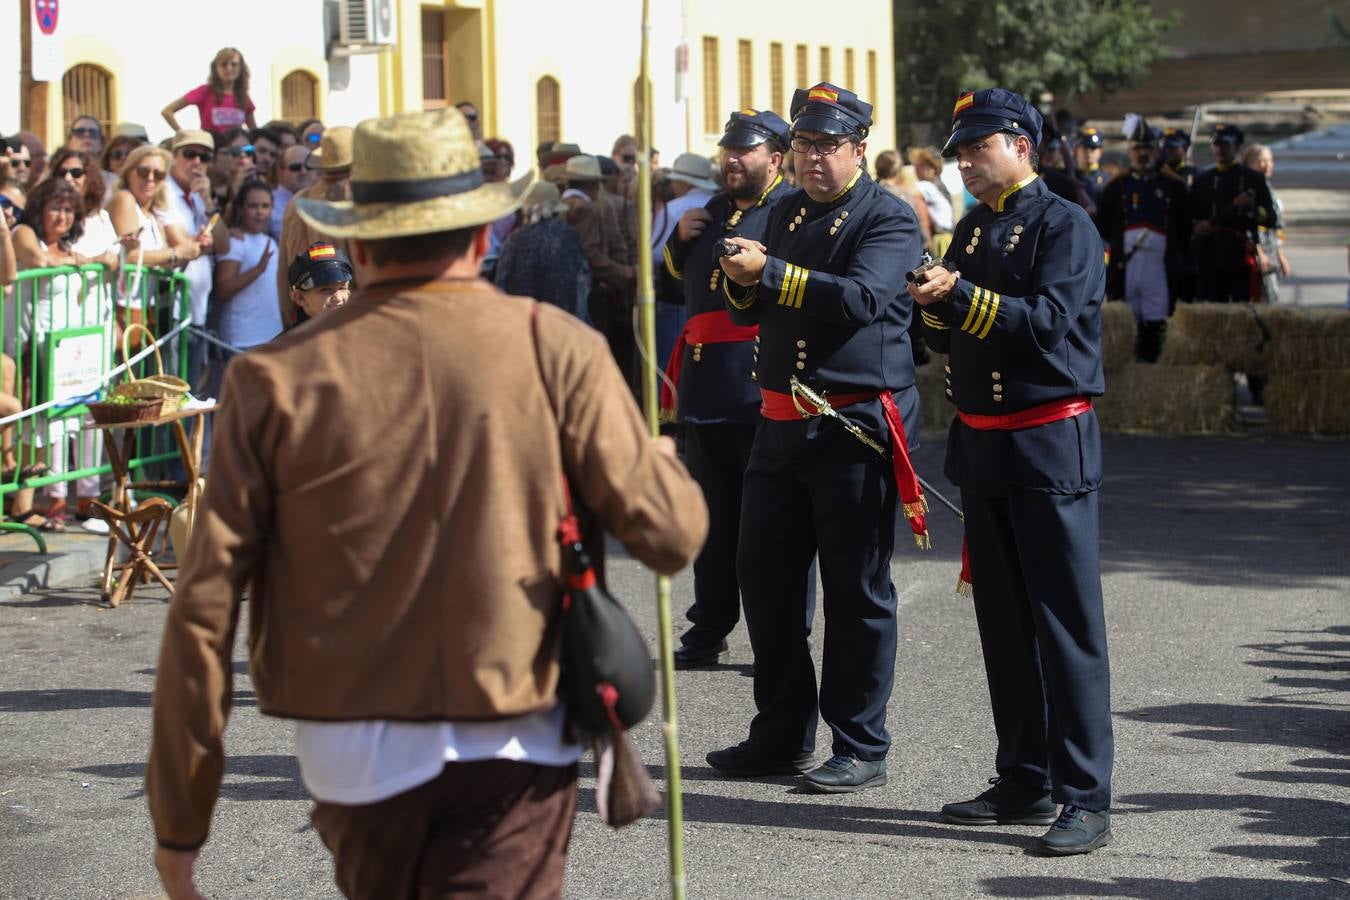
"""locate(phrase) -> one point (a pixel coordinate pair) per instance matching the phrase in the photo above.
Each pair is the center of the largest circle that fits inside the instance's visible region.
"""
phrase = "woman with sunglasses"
(145, 225)
(223, 102)
(114, 158)
(99, 241)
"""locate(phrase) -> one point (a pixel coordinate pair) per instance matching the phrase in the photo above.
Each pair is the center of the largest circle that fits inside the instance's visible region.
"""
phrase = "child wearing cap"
(320, 278)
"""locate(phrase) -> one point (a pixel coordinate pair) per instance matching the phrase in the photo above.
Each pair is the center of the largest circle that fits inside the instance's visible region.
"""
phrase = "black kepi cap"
(1088, 137)
(750, 128)
(978, 114)
(1227, 133)
(830, 109)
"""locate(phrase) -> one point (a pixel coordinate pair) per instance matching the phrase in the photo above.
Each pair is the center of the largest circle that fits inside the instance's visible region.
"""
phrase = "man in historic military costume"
(712, 366)
(1145, 217)
(1228, 202)
(1176, 146)
(826, 290)
(1087, 157)
(1018, 308)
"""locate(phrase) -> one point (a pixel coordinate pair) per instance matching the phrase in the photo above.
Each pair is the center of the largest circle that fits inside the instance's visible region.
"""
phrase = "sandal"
(34, 519)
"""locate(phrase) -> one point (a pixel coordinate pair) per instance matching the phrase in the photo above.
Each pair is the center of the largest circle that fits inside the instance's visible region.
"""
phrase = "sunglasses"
(295, 167)
(20, 162)
(197, 155)
(314, 138)
(86, 132)
(75, 173)
(246, 150)
(629, 158)
(6, 203)
(150, 174)
(118, 154)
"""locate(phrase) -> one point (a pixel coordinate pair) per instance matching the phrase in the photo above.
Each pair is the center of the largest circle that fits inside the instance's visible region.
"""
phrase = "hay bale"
(1308, 402)
(1224, 334)
(936, 409)
(1118, 333)
(1194, 399)
(1305, 339)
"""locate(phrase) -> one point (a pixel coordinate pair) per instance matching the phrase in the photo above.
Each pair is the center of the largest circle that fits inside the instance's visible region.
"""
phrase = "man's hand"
(692, 223)
(175, 873)
(934, 288)
(746, 267)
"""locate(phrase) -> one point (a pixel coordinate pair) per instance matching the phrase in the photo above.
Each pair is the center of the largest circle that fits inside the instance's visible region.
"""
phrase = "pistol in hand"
(920, 275)
(727, 248)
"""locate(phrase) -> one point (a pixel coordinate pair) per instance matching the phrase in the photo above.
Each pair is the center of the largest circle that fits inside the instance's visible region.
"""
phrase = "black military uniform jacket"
(831, 305)
(716, 383)
(1157, 200)
(1023, 327)
(1214, 190)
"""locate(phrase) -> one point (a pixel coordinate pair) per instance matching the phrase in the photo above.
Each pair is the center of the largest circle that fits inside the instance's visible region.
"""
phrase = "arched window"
(299, 96)
(87, 90)
(548, 109)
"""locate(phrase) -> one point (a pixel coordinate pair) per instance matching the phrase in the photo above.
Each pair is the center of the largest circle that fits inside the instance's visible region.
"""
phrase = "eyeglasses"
(629, 158)
(197, 155)
(246, 150)
(295, 167)
(823, 146)
(86, 132)
(118, 154)
(150, 174)
(73, 174)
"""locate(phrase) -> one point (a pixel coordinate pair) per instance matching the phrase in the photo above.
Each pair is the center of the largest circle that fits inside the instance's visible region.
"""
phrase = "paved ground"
(1226, 573)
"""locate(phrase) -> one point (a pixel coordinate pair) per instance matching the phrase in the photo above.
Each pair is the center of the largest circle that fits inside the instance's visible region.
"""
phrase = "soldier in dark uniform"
(1228, 202)
(712, 366)
(1018, 306)
(1145, 218)
(825, 288)
(1176, 145)
(1087, 154)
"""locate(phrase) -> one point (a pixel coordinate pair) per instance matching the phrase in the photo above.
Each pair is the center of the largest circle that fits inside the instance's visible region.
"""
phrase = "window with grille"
(87, 91)
(745, 64)
(848, 70)
(872, 82)
(824, 63)
(299, 97)
(776, 79)
(802, 62)
(548, 109)
(712, 88)
(435, 66)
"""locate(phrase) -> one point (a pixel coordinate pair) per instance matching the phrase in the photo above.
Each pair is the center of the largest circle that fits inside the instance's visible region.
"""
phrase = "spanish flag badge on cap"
(963, 102)
(322, 251)
(823, 92)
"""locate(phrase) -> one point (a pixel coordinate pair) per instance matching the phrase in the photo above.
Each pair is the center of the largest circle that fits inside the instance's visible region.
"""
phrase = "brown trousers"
(493, 828)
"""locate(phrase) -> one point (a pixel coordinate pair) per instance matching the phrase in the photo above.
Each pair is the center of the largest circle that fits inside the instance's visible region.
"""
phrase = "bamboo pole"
(646, 307)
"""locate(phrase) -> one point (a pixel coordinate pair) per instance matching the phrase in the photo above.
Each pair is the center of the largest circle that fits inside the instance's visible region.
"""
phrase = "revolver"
(727, 248)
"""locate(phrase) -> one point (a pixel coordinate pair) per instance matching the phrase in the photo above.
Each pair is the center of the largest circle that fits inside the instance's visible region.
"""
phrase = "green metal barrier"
(58, 333)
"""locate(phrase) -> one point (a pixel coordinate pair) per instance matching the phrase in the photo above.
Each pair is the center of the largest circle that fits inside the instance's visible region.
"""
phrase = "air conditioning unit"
(366, 26)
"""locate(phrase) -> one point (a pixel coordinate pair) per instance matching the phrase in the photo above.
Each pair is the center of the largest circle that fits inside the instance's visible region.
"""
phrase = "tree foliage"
(1068, 48)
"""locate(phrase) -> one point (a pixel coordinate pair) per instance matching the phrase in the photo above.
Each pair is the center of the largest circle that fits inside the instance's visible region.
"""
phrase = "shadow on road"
(58, 699)
(279, 777)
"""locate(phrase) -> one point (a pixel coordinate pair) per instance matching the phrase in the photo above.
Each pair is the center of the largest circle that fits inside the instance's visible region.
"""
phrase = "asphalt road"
(1227, 572)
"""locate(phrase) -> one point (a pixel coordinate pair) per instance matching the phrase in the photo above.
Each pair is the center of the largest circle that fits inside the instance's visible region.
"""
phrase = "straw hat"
(335, 150)
(582, 168)
(414, 174)
(694, 170)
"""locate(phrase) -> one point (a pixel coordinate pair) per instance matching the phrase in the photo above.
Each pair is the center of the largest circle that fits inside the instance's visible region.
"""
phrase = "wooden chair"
(135, 530)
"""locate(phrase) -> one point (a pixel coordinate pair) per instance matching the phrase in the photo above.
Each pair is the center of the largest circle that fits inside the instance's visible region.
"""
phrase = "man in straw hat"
(333, 163)
(1017, 305)
(386, 484)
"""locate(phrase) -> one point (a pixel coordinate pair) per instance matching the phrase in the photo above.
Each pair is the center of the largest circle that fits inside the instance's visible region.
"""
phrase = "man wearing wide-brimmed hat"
(387, 483)
(333, 163)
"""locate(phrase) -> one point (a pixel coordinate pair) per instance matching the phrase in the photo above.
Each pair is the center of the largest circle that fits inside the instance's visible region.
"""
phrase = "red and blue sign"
(46, 12)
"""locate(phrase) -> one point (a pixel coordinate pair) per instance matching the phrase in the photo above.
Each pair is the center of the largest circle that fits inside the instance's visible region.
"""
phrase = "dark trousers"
(1223, 273)
(1038, 601)
(494, 828)
(813, 489)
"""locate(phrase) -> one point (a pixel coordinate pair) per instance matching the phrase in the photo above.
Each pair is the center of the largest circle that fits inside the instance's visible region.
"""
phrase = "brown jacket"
(602, 242)
(386, 483)
(297, 236)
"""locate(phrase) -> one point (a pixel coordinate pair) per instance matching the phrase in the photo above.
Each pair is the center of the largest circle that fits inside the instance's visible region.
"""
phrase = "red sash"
(713, 327)
(780, 408)
(1044, 414)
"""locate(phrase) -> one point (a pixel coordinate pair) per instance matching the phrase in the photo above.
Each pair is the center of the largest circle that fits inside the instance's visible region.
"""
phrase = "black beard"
(750, 189)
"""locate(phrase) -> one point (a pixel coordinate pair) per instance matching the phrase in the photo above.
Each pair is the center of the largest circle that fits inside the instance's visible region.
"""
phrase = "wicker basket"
(108, 413)
(169, 388)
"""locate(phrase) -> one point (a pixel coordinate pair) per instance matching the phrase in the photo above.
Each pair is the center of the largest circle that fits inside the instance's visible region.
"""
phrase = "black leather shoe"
(701, 657)
(1076, 831)
(844, 774)
(745, 761)
(1003, 804)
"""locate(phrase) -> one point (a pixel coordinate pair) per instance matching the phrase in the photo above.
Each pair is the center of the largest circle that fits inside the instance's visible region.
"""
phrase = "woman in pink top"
(223, 102)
